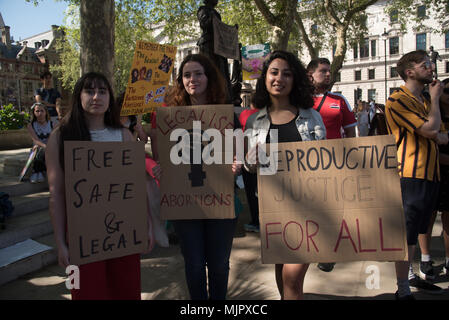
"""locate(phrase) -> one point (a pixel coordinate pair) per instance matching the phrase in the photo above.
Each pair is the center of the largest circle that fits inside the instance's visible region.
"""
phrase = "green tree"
(131, 24)
(406, 11)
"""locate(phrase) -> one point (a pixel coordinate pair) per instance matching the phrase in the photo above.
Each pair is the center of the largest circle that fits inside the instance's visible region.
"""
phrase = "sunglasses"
(446, 90)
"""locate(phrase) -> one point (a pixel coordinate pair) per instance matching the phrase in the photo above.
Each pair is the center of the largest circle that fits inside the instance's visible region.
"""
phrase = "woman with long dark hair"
(93, 117)
(284, 97)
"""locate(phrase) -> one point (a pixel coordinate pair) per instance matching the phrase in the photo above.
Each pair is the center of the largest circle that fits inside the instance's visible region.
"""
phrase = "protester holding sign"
(415, 122)
(284, 97)
(204, 242)
(95, 117)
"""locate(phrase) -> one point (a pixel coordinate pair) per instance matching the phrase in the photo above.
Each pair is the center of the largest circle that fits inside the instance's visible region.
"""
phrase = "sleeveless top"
(42, 131)
(106, 135)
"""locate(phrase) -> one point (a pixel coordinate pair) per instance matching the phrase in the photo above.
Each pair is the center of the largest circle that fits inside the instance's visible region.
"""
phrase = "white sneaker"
(34, 177)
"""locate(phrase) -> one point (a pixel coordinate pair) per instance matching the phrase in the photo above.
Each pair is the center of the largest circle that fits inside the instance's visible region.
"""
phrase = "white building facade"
(369, 70)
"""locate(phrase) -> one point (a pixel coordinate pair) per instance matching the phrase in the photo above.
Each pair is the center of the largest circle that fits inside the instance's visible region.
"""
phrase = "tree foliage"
(406, 12)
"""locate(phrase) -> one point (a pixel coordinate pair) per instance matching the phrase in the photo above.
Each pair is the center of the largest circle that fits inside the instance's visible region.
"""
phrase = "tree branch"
(267, 14)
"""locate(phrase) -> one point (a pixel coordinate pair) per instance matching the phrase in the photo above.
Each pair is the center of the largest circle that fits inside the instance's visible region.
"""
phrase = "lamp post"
(385, 35)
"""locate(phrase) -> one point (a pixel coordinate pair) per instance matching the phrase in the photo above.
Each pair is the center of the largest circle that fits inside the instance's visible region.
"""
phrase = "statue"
(205, 16)
(434, 56)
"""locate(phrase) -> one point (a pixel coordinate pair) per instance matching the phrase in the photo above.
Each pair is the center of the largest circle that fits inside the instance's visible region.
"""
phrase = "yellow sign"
(149, 77)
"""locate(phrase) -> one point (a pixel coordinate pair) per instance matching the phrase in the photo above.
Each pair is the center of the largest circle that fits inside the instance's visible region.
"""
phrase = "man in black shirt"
(49, 96)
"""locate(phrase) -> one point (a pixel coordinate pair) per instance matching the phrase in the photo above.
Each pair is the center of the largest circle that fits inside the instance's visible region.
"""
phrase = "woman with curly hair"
(204, 242)
(284, 97)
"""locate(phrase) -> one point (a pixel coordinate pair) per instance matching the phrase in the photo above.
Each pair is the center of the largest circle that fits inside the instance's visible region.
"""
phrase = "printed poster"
(253, 57)
(333, 201)
(149, 77)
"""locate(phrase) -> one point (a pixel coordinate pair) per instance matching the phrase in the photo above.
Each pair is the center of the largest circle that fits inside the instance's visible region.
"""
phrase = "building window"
(394, 16)
(421, 41)
(447, 66)
(357, 94)
(393, 72)
(371, 94)
(421, 11)
(446, 40)
(355, 51)
(371, 74)
(392, 90)
(373, 48)
(364, 48)
(358, 75)
(338, 77)
(394, 45)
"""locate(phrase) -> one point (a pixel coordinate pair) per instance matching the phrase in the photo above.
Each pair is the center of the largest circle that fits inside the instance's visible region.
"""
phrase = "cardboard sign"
(105, 200)
(253, 57)
(226, 40)
(333, 200)
(193, 189)
(149, 77)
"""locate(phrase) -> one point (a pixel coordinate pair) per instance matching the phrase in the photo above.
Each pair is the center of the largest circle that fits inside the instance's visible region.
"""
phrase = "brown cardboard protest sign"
(331, 201)
(105, 200)
(192, 188)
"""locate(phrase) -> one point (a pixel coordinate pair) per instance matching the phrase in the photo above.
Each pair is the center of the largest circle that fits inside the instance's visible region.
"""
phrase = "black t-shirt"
(50, 96)
(287, 132)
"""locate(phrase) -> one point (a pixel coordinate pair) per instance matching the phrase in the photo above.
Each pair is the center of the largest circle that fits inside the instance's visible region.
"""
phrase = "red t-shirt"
(336, 114)
(244, 115)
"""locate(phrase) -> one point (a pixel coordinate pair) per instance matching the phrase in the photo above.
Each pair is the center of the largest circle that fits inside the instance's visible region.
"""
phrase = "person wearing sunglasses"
(415, 122)
(426, 268)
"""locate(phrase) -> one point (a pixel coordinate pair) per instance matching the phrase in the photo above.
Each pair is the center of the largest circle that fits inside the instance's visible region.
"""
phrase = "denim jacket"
(309, 123)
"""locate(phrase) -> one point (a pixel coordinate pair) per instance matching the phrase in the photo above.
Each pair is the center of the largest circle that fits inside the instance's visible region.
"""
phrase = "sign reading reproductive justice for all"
(194, 189)
(149, 76)
(331, 201)
(105, 200)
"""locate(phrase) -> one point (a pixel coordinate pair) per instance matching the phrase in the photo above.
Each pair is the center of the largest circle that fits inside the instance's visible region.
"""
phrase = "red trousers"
(113, 279)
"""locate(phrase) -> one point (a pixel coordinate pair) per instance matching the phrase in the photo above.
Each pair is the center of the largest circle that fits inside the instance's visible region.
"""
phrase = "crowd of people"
(292, 99)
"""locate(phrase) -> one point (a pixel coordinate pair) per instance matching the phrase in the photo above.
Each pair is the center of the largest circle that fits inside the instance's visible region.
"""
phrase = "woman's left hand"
(236, 167)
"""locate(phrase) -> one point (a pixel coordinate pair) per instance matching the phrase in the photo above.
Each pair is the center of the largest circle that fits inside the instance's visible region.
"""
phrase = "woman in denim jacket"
(284, 97)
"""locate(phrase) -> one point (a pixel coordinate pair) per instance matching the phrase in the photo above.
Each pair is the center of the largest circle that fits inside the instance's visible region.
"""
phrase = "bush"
(11, 118)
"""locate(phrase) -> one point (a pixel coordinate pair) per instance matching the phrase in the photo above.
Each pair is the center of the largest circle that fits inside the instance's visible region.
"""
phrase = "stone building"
(369, 70)
(21, 64)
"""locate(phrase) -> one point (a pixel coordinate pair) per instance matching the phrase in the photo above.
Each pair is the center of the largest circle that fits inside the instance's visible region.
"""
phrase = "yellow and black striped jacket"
(417, 155)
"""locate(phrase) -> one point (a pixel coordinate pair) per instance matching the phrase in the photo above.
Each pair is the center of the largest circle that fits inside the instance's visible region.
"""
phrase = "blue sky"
(26, 19)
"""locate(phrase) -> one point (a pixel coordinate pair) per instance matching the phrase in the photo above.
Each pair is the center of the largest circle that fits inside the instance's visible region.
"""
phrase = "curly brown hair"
(216, 86)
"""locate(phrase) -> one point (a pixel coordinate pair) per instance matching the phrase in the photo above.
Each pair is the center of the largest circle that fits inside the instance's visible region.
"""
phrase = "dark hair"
(73, 127)
(445, 81)
(178, 96)
(313, 64)
(408, 60)
(43, 106)
(302, 89)
(45, 74)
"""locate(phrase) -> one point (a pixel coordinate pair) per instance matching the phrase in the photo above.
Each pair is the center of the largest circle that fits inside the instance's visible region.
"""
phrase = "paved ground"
(163, 276)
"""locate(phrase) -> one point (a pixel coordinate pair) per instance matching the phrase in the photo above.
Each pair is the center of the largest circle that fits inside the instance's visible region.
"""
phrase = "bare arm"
(349, 132)
(56, 182)
(431, 127)
(34, 137)
(153, 137)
